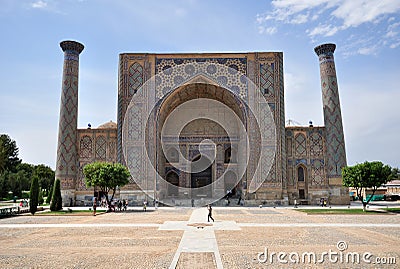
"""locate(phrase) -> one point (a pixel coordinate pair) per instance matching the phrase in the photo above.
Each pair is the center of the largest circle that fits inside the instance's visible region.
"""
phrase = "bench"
(8, 211)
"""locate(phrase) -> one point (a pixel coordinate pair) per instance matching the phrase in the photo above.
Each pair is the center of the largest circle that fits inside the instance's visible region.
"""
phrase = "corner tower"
(335, 147)
(67, 166)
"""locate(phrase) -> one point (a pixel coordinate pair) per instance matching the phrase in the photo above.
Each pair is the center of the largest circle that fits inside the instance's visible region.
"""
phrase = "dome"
(108, 125)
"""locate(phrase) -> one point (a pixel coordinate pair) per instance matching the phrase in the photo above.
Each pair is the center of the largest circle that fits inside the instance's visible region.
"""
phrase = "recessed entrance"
(201, 177)
(173, 180)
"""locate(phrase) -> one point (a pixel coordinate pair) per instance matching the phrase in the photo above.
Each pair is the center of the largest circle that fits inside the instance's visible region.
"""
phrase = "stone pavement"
(199, 238)
(182, 238)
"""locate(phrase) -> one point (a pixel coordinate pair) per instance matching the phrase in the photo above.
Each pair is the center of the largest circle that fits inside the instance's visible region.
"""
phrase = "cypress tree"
(56, 200)
(34, 195)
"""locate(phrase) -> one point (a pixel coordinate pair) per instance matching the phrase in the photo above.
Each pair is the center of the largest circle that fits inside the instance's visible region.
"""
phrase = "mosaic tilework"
(135, 123)
(81, 184)
(281, 124)
(301, 144)
(66, 166)
(95, 145)
(112, 146)
(317, 172)
(316, 144)
(135, 168)
(133, 77)
(85, 147)
(267, 79)
(336, 154)
(173, 72)
(289, 146)
(101, 147)
(309, 151)
(290, 176)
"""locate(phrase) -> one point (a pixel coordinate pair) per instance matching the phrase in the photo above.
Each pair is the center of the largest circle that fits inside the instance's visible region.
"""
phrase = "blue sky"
(367, 34)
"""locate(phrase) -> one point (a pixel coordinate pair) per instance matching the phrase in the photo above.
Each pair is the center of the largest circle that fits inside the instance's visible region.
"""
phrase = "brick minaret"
(336, 153)
(67, 166)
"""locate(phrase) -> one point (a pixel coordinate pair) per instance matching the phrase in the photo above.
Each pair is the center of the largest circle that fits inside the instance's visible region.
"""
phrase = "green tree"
(25, 177)
(40, 199)
(46, 176)
(396, 174)
(49, 195)
(367, 175)
(21, 179)
(56, 200)
(8, 154)
(106, 176)
(34, 195)
(4, 186)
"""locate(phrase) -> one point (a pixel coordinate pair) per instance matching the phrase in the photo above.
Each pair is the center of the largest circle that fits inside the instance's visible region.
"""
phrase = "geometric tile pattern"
(300, 145)
(66, 166)
(81, 183)
(85, 147)
(317, 172)
(309, 152)
(135, 78)
(267, 79)
(316, 144)
(101, 147)
(99, 144)
(336, 154)
(173, 72)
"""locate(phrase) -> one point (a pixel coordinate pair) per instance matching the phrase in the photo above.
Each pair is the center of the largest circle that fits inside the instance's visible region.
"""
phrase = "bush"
(56, 200)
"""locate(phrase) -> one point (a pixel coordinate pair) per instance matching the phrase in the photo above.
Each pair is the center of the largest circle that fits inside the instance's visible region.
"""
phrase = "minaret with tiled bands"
(67, 162)
(335, 146)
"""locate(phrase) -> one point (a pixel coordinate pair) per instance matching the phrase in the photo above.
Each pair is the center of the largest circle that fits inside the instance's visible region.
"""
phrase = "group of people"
(23, 203)
(122, 205)
(113, 205)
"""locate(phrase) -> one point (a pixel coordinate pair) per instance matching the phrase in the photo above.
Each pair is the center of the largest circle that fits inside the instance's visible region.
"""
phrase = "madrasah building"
(193, 127)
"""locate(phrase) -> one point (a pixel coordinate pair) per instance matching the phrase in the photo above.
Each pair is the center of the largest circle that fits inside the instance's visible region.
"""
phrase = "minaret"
(336, 153)
(67, 161)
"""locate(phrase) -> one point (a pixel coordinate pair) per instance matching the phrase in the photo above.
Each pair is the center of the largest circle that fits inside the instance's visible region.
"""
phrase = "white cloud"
(394, 45)
(324, 30)
(271, 30)
(391, 31)
(356, 12)
(39, 4)
(351, 13)
(267, 30)
(367, 50)
(325, 18)
(299, 19)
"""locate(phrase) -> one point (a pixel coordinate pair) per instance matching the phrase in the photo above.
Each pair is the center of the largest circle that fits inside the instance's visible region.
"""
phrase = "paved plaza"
(182, 238)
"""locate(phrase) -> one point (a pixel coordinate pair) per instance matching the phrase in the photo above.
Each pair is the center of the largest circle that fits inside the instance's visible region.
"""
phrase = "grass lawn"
(351, 211)
(392, 210)
(73, 212)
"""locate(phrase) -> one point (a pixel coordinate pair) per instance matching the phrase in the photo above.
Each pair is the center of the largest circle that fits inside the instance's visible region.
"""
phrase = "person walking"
(94, 206)
(210, 213)
(144, 205)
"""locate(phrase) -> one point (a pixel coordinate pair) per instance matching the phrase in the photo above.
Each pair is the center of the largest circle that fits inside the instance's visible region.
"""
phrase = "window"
(228, 154)
(300, 174)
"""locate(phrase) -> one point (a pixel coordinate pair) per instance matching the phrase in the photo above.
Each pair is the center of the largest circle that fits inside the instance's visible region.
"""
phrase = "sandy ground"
(94, 246)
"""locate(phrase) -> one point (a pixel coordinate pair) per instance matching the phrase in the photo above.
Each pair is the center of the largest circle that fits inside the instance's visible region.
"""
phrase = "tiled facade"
(299, 169)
